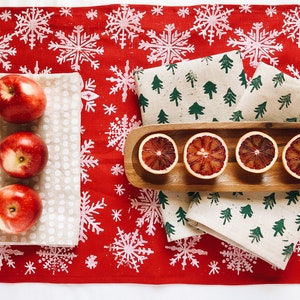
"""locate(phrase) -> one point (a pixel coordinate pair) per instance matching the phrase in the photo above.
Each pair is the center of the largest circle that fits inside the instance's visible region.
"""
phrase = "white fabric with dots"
(59, 183)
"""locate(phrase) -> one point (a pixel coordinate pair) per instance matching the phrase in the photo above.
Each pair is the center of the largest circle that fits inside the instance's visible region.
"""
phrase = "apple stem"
(12, 209)
(21, 158)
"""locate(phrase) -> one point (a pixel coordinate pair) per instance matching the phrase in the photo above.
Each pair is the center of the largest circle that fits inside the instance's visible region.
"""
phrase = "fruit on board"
(22, 99)
(205, 155)
(256, 152)
(291, 156)
(158, 153)
(20, 208)
(23, 154)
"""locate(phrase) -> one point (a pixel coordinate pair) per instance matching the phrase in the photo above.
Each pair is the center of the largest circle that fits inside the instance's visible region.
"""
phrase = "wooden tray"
(233, 179)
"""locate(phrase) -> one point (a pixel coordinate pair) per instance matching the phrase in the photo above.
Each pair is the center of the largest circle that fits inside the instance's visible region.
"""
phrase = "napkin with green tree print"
(201, 90)
(266, 224)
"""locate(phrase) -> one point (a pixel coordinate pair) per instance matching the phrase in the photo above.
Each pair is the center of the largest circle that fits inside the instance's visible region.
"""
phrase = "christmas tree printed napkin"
(265, 224)
(201, 90)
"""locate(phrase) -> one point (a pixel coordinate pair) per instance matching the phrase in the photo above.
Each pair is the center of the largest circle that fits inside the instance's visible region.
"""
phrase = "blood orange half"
(205, 155)
(158, 153)
(291, 156)
(256, 152)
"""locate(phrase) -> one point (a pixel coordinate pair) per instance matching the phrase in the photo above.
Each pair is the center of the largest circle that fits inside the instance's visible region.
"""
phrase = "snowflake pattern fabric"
(122, 236)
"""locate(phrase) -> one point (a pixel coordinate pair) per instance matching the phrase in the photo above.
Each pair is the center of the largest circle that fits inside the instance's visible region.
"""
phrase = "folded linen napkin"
(59, 183)
(201, 90)
(266, 224)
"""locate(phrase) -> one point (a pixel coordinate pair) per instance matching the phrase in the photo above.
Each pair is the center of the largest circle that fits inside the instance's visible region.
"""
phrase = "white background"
(33, 291)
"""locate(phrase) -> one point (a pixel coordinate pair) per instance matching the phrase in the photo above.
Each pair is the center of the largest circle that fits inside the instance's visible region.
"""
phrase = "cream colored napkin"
(201, 90)
(59, 183)
(267, 224)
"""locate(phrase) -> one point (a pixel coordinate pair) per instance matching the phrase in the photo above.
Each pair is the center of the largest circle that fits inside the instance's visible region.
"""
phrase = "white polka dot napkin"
(59, 183)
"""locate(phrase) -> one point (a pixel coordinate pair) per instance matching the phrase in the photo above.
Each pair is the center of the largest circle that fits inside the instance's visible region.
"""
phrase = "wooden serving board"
(233, 179)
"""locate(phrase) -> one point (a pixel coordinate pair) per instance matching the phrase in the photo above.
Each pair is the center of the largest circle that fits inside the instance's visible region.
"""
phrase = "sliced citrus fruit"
(256, 152)
(291, 156)
(205, 155)
(158, 153)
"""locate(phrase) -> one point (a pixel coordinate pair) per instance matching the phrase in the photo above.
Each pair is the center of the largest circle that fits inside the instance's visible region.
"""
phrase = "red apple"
(20, 208)
(22, 99)
(23, 154)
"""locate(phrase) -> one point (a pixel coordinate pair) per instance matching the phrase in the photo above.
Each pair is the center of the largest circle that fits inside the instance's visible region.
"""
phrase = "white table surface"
(44, 291)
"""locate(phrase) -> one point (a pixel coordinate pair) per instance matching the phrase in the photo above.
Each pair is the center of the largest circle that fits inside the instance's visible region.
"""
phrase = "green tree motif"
(229, 97)
(255, 234)
(269, 201)
(292, 197)
(157, 84)
(172, 67)
(226, 215)
(195, 197)
(196, 109)
(214, 198)
(285, 100)
(256, 83)
(137, 73)
(298, 222)
(210, 88)
(278, 79)
(294, 119)
(163, 199)
(287, 251)
(279, 227)
(143, 101)
(226, 63)
(162, 117)
(236, 194)
(236, 116)
(246, 211)
(181, 215)
(170, 229)
(260, 110)
(175, 96)
(243, 79)
(207, 59)
(191, 77)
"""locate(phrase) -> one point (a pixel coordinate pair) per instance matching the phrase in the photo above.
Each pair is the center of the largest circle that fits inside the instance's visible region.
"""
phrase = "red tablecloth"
(121, 236)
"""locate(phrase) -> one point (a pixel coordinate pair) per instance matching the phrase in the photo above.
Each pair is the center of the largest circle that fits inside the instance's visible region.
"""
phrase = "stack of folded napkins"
(218, 85)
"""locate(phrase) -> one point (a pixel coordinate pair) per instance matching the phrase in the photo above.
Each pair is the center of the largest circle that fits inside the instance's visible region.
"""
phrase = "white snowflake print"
(65, 11)
(91, 261)
(271, 11)
(88, 94)
(186, 251)
(291, 25)
(119, 189)
(87, 219)
(183, 12)
(119, 130)
(129, 249)
(87, 160)
(6, 254)
(123, 24)
(148, 205)
(237, 260)
(32, 25)
(157, 10)
(56, 259)
(169, 46)
(257, 45)
(30, 268)
(116, 215)
(78, 47)
(109, 109)
(212, 21)
(5, 16)
(6, 51)
(123, 81)
(92, 14)
(36, 69)
(117, 169)
(214, 267)
(294, 71)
